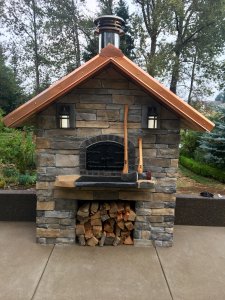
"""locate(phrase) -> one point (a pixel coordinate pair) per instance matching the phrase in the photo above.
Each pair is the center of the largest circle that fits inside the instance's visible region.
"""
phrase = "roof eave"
(61, 87)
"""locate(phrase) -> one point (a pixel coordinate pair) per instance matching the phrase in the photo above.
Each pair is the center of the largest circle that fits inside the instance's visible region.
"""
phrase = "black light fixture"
(65, 113)
(153, 118)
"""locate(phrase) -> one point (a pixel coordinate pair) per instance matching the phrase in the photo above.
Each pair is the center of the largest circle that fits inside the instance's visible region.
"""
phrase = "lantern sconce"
(152, 118)
(65, 116)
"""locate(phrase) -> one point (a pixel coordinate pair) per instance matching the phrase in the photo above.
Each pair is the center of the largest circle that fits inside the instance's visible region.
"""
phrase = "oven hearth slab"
(77, 181)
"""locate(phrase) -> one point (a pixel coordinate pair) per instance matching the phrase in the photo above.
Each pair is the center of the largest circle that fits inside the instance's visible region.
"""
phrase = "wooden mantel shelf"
(78, 181)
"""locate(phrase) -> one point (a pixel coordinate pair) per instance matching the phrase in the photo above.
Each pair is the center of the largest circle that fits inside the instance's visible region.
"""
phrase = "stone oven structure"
(80, 148)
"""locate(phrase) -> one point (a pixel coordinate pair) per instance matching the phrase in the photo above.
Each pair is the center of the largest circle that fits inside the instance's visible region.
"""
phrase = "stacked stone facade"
(99, 109)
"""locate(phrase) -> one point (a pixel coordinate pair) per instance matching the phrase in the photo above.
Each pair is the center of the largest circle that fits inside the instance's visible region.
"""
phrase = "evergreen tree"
(109, 7)
(10, 91)
(127, 40)
(212, 145)
(220, 97)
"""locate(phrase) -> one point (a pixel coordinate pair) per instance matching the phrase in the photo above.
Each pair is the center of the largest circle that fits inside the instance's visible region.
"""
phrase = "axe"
(125, 176)
(125, 165)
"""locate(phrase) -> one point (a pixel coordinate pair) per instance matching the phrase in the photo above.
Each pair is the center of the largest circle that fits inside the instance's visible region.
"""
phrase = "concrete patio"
(193, 269)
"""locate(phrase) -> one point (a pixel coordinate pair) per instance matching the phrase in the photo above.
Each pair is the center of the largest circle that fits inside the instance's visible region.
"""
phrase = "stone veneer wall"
(99, 105)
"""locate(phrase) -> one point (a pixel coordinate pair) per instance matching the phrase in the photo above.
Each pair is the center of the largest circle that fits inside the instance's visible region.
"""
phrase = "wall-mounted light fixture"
(153, 118)
(65, 115)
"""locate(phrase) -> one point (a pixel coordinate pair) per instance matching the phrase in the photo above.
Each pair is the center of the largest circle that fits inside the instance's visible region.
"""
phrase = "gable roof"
(190, 118)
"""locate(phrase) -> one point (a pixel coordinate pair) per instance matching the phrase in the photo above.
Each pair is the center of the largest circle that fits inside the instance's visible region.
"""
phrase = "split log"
(126, 216)
(83, 211)
(129, 225)
(125, 233)
(132, 216)
(118, 231)
(116, 241)
(113, 215)
(97, 231)
(120, 207)
(105, 217)
(106, 206)
(102, 241)
(113, 208)
(88, 234)
(120, 224)
(94, 207)
(81, 240)
(110, 234)
(108, 227)
(97, 215)
(96, 222)
(87, 225)
(83, 220)
(127, 207)
(92, 241)
(80, 230)
(119, 217)
(128, 241)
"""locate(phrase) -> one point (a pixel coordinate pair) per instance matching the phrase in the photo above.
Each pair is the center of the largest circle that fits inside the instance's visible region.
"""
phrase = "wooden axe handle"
(125, 166)
(140, 163)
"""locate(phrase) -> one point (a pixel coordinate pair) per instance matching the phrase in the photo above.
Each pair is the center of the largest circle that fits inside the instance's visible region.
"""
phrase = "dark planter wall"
(18, 205)
(199, 211)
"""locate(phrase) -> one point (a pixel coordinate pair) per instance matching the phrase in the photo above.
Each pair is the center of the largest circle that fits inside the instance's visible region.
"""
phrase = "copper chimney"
(109, 29)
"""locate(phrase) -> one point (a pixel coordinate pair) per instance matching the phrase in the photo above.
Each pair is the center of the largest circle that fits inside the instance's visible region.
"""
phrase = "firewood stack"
(109, 223)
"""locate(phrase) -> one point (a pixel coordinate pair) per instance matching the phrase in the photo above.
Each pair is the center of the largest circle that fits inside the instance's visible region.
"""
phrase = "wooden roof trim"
(162, 93)
(57, 89)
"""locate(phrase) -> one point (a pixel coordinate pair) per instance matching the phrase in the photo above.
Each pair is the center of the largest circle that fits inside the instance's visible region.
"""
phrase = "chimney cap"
(109, 23)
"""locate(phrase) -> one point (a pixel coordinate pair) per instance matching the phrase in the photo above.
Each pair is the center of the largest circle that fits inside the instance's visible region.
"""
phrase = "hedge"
(202, 169)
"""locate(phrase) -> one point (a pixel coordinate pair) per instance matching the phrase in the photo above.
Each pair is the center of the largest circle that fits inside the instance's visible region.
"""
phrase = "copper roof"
(190, 117)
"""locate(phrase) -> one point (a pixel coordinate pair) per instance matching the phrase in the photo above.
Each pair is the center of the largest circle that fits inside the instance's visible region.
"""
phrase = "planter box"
(18, 205)
(199, 211)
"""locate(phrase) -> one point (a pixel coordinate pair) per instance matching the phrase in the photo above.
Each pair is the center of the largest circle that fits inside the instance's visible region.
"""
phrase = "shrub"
(2, 183)
(17, 147)
(189, 142)
(26, 179)
(10, 171)
(202, 169)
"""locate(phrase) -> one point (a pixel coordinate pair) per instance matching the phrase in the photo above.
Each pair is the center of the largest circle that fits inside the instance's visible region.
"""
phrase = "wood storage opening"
(105, 223)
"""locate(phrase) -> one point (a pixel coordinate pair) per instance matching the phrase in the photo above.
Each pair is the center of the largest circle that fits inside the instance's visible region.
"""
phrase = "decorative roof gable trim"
(109, 54)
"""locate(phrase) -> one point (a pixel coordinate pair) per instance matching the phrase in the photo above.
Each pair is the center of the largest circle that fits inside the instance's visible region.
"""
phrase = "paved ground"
(194, 269)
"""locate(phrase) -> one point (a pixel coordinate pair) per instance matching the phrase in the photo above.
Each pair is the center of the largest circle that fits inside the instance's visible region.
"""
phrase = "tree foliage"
(10, 92)
(120, 9)
(182, 41)
(16, 147)
(25, 22)
(220, 97)
(212, 145)
(65, 31)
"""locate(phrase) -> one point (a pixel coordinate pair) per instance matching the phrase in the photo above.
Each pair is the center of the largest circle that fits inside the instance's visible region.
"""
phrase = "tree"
(156, 16)
(220, 97)
(65, 26)
(212, 145)
(10, 92)
(106, 7)
(24, 20)
(127, 40)
(91, 49)
(182, 42)
(109, 7)
(195, 23)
